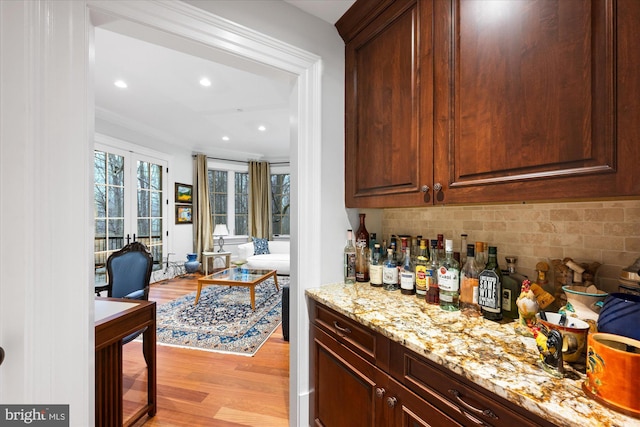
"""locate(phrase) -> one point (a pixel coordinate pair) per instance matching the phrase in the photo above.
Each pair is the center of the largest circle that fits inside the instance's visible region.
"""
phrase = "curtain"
(260, 199)
(203, 230)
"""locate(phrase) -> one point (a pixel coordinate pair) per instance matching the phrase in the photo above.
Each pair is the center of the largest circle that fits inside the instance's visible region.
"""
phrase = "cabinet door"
(389, 107)
(348, 390)
(532, 112)
(411, 411)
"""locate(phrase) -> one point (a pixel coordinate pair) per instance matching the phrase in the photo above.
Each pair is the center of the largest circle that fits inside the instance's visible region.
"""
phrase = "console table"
(213, 255)
(115, 319)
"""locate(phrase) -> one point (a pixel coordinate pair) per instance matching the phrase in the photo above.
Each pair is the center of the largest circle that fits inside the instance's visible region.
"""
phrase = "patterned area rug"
(222, 320)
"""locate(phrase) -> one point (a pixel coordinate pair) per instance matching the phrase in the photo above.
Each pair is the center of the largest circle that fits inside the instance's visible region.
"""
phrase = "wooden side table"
(206, 256)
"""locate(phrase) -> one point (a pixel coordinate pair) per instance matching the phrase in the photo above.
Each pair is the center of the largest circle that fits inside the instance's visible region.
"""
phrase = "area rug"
(223, 320)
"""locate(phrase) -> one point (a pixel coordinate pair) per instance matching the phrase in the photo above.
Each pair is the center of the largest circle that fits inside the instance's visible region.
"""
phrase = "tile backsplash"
(604, 231)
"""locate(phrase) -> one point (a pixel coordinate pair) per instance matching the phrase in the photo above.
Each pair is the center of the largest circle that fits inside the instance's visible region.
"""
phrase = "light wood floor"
(200, 388)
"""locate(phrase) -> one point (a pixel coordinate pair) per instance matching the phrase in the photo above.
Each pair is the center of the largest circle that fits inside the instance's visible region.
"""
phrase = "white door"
(129, 204)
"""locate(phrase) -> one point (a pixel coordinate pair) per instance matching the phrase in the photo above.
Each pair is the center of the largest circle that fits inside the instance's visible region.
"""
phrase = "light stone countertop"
(487, 353)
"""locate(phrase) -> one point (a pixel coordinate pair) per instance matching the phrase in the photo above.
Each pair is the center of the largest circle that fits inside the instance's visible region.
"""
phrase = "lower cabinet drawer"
(467, 403)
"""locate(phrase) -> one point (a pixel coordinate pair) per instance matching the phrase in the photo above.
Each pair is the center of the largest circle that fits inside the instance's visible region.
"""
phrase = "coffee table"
(238, 277)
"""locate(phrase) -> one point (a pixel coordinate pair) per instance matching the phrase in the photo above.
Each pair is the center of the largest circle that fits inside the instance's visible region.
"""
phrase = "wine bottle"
(490, 287)
(449, 280)
(362, 256)
(349, 259)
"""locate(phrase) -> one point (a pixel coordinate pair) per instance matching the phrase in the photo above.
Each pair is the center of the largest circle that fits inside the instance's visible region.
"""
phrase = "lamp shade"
(221, 230)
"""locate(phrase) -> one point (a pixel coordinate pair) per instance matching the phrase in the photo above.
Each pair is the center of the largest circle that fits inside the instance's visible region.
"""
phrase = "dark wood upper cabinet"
(506, 102)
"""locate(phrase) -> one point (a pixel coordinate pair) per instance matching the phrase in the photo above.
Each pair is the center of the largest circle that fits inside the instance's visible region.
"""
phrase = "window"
(280, 203)
(229, 199)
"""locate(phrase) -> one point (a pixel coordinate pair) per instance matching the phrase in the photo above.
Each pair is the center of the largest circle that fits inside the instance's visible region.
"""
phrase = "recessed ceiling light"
(262, 128)
(205, 82)
(225, 138)
(120, 83)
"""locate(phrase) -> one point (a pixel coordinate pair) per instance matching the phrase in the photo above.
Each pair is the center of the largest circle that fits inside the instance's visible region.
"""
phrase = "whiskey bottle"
(490, 288)
(407, 275)
(422, 262)
(469, 281)
(449, 280)
(375, 269)
(349, 259)
(433, 293)
(481, 261)
(511, 288)
(390, 272)
(362, 256)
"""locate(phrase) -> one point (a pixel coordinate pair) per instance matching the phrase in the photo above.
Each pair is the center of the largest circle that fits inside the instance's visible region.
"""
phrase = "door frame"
(191, 23)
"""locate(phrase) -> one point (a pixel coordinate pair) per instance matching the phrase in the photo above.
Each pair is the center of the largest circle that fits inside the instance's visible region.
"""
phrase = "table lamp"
(220, 230)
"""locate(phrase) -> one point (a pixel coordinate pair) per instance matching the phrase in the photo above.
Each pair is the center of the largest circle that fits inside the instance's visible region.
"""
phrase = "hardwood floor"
(201, 388)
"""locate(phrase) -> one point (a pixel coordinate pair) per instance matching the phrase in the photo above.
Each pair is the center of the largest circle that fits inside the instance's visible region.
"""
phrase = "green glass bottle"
(490, 287)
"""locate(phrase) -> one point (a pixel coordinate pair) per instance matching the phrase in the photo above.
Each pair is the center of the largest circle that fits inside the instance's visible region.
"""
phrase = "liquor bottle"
(372, 244)
(480, 259)
(511, 288)
(407, 275)
(390, 272)
(490, 287)
(362, 256)
(469, 281)
(349, 259)
(440, 248)
(449, 280)
(463, 249)
(422, 262)
(375, 269)
(433, 293)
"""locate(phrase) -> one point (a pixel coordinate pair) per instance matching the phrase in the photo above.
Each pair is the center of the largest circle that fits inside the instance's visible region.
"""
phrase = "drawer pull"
(380, 392)
(391, 402)
(340, 328)
(474, 419)
(486, 412)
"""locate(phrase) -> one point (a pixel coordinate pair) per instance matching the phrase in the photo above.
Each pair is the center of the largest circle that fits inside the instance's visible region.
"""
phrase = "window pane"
(156, 204)
(156, 230)
(220, 204)
(100, 201)
(143, 174)
(116, 169)
(280, 203)
(100, 238)
(143, 203)
(115, 233)
(156, 177)
(116, 201)
(242, 226)
(100, 167)
(143, 230)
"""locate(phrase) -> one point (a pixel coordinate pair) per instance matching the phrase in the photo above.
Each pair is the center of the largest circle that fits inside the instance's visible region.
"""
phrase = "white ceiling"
(164, 101)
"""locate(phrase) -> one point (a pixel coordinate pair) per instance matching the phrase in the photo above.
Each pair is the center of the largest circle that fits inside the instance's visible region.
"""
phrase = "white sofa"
(276, 259)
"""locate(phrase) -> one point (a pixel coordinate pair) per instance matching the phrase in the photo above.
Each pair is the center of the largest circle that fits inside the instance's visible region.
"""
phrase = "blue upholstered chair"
(129, 272)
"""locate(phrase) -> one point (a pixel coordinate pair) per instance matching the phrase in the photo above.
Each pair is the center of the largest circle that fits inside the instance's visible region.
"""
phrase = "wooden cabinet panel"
(387, 143)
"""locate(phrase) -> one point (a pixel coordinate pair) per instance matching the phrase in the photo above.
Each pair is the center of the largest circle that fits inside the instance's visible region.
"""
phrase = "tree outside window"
(280, 201)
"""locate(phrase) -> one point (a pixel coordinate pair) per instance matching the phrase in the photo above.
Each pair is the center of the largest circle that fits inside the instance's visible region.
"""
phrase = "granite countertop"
(487, 353)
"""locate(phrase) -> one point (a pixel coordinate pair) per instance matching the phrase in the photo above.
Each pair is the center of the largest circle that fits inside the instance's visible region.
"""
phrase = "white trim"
(195, 24)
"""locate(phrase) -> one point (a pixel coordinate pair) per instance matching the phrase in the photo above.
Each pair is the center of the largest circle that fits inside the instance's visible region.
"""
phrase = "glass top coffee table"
(238, 277)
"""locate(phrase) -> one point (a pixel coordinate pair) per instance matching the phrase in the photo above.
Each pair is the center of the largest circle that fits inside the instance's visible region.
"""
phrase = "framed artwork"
(184, 214)
(184, 193)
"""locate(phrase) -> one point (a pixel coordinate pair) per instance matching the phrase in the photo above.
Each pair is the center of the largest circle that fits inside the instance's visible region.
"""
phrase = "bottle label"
(468, 289)
(350, 265)
(448, 279)
(407, 280)
(421, 276)
(375, 274)
(488, 296)
(506, 299)
(390, 276)
(431, 278)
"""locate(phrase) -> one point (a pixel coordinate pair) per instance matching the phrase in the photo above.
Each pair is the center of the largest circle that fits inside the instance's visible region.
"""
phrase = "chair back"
(129, 272)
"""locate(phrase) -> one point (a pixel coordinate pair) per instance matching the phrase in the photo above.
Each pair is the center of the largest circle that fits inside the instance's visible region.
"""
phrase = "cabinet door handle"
(380, 392)
(391, 402)
(340, 328)
(437, 187)
(486, 412)
(424, 188)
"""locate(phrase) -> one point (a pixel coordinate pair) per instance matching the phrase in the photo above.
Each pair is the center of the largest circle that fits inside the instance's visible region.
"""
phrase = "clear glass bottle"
(407, 275)
(421, 264)
(449, 280)
(349, 259)
(469, 281)
(390, 272)
(480, 259)
(375, 269)
(440, 249)
(362, 254)
(372, 243)
(433, 292)
(511, 287)
(463, 249)
(490, 287)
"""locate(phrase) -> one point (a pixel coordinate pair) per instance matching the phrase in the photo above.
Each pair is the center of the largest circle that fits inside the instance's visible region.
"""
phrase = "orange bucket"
(613, 368)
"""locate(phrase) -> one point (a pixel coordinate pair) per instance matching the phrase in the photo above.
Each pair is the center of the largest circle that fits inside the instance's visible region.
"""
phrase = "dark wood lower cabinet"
(390, 386)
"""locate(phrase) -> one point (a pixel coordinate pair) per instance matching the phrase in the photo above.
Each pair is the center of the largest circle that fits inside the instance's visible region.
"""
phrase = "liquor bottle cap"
(448, 244)
(493, 250)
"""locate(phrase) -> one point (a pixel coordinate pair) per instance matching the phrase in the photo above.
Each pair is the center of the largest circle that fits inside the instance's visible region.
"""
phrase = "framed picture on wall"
(184, 214)
(184, 193)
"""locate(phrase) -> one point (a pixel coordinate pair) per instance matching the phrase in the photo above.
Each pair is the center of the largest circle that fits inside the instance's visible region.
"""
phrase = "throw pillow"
(260, 246)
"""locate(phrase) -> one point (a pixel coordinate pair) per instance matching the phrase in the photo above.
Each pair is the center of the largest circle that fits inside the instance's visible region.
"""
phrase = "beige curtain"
(203, 230)
(260, 199)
